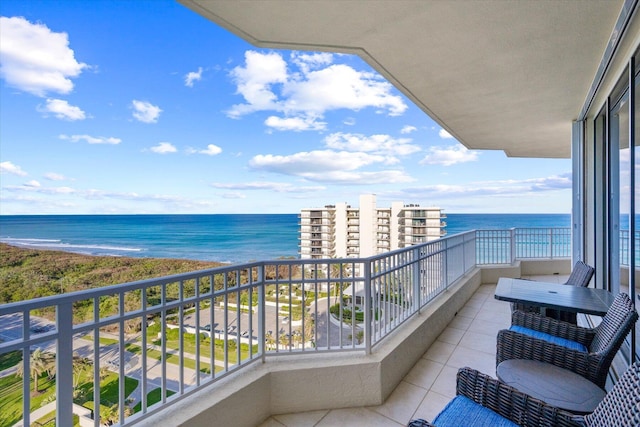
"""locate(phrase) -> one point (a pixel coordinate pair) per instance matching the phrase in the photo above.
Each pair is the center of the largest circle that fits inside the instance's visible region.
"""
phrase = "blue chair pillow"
(462, 411)
(550, 338)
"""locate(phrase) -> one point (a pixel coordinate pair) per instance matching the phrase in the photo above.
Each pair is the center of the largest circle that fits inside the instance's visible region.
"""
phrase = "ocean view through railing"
(505, 246)
(124, 351)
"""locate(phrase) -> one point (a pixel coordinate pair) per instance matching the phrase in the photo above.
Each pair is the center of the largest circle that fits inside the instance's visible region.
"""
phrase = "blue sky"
(146, 107)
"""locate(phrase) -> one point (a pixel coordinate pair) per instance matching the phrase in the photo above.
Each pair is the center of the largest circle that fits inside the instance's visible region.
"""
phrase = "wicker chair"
(601, 343)
(482, 400)
(580, 276)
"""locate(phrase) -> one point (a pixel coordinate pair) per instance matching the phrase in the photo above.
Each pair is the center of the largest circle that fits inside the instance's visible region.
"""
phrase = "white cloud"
(449, 156)
(145, 111)
(61, 109)
(349, 121)
(295, 123)
(408, 129)
(311, 61)
(329, 166)
(35, 59)
(233, 196)
(211, 150)
(52, 176)
(67, 198)
(341, 86)
(494, 188)
(316, 87)
(380, 144)
(364, 178)
(164, 148)
(254, 82)
(32, 183)
(193, 76)
(444, 134)
(313, 161)
(279, 187)
(39, 189)
(91, 139)
(8, 167)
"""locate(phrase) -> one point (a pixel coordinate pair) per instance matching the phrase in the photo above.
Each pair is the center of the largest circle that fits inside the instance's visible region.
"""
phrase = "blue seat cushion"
(462, 411)
(550, 338)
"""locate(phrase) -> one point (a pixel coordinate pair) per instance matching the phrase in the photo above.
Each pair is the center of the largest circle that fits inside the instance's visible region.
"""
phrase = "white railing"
(506, 246)
(625, 247)
(127, 350)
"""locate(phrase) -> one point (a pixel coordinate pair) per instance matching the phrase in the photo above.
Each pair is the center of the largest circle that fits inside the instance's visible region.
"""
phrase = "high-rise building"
(342, 231)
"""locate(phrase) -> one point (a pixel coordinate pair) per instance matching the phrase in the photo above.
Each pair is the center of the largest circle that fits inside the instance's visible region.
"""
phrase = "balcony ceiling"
(496, 74)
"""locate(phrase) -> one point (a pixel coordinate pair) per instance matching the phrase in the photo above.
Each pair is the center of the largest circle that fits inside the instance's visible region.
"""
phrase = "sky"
(145, 107)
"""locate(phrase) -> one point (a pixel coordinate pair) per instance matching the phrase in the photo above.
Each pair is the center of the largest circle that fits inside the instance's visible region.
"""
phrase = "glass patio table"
(554, 296)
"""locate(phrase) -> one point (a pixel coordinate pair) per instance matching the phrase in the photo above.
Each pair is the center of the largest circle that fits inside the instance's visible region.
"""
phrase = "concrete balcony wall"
(545, 267)
(541, 267)
(624, 277)
(307, 382)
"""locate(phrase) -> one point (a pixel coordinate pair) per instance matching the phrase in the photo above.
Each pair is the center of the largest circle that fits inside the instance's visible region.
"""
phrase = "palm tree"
(109, 415)
(270, 340)
(337, 271)
(80, 364)
(40, 361)
(309, 326)
(285, 341)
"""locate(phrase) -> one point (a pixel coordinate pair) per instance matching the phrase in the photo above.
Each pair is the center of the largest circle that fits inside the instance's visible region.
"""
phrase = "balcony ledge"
(306, 382)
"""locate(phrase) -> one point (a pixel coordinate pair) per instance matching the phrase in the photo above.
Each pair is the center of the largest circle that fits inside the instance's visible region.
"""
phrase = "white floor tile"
(302, 419)
(424, 373)
(439, 351)
(356, 417)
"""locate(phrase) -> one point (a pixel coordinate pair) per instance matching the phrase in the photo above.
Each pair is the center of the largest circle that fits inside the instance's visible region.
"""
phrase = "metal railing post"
(64, 365)
(551, 243)
(417, 279)
(513, 245)
(261, 313)
(368, 304)
(445, 264)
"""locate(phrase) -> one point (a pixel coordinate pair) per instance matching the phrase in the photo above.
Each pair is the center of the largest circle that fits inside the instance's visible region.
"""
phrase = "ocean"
(222, 238)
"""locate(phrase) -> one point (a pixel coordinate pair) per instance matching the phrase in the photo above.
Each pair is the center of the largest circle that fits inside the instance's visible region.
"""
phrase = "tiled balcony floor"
(469, 340)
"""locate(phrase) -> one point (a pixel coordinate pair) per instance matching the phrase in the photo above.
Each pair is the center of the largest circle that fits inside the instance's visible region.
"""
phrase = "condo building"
(343, 231)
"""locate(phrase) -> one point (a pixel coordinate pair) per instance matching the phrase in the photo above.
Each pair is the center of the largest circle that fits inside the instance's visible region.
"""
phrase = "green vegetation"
(108, 395)
(205, 348)
(153, 397)
(41, 362)
(31, 273)
(11, 393)
(49, 420)
(11, 397)
(7, 360)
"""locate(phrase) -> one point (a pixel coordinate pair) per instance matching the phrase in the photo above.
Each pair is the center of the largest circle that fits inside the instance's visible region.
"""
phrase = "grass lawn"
(171, 358)
(49, 420)
(205, 350)
(11, 397)
(11, 394)
(7, 360)
(108, 389)
(101, 340)
(153, 397)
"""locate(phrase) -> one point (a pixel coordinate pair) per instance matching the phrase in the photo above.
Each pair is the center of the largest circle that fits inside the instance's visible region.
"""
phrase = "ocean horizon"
(227, 238)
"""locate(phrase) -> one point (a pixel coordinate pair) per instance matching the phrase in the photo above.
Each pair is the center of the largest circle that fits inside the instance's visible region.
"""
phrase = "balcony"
(261, 334)
(468, 340)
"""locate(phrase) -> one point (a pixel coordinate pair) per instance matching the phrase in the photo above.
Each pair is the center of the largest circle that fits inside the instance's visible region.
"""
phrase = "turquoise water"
(223, 238)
